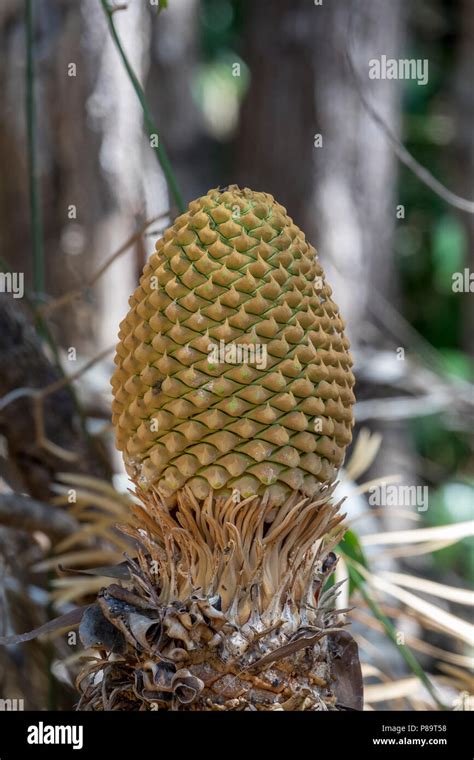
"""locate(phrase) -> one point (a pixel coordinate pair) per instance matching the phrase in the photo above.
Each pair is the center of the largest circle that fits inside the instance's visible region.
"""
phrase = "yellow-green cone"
(233, 371)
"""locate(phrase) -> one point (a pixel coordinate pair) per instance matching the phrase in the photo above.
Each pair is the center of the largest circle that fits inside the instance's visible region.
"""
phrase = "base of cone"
(187, 656)
(225, 609)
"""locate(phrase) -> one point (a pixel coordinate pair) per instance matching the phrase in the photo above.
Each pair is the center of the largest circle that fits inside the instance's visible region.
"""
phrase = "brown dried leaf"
(346, 670)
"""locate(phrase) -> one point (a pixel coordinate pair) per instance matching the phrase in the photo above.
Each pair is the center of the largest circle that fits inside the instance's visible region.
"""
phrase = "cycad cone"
(233, 272)
(232, 407)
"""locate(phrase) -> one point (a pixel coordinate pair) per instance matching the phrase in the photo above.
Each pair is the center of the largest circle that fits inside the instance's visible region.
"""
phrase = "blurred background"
(379, 173)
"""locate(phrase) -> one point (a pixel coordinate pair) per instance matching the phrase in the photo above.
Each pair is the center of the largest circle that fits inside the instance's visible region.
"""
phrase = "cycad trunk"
(224, 610)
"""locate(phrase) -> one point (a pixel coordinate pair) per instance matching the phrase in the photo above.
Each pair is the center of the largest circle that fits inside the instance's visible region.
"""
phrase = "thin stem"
(152, 129)
(35, 206)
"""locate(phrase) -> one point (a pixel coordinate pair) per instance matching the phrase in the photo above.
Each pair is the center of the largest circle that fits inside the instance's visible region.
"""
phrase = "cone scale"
(233, 409)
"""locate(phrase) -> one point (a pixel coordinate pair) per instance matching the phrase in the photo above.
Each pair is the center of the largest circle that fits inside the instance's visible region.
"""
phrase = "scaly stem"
(149, 121)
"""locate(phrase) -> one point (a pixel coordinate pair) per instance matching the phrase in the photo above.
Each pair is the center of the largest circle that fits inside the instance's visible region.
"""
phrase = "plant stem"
(149, 121)
(35, 206)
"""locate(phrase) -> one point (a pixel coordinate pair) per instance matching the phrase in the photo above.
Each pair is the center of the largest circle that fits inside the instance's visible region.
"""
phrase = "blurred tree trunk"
(464, 149)
(274, 150)
(94, 160)
(174, 62)
(70, 179)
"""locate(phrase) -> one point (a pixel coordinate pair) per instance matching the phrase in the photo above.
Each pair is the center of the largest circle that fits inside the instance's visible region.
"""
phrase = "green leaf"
(457, 363)
(162, 5)
(350, 547)
(449, 245)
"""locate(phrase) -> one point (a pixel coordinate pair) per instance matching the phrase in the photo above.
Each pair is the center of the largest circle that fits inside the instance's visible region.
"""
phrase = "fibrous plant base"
(224, 609)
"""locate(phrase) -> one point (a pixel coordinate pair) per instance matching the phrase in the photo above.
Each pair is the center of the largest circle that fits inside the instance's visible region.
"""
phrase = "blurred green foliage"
(452, 503)
(431, 245)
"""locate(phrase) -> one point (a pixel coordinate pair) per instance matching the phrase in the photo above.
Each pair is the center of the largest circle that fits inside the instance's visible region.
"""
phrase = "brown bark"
(25, 365)
(274, 147)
